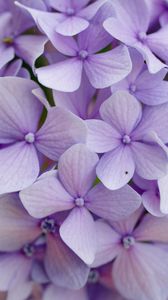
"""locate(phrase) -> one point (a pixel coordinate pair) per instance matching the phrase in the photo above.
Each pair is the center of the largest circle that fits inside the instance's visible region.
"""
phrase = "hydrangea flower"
(150, 89)
(20, 139)
(71, 190)
(68, 18)
(13, 41)
(14, 69)
(127, 137)
(140, 261)
(130, 26)
(102, 69)
(20, 249)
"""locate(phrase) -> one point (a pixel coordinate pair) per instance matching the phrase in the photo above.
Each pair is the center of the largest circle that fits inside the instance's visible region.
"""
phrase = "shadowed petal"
(63, 267)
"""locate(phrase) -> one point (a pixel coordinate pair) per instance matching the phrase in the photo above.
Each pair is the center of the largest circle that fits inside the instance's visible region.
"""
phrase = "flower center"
(30, 137)
(7, 40)
(126, 139)
(79, 202)
(83, 54)
(141, 36)
(128, 241)
(93, 276)
(132, 88)
(28, 250)
(70, 11)
(48, 225)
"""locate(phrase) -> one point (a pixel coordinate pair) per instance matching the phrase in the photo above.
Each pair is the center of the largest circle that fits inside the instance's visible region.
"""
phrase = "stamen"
(30, 137)
(132, 88)
(70, 11)
(126, 139)
(48, 225)
(79, 202)
(93, 276)
(128, 241)
(83, 54)
(142, 36)
(28, 250)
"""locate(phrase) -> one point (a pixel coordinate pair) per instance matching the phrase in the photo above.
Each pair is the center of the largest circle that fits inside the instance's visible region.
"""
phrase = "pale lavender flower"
(21, 140)
(140, 261)
(68, 18)
(150, 89)
(130, 26)
(14, 69)
(13, 41)
(85, 102)
(71, 189)
(128, 137)
(19, 235)
(102, 69)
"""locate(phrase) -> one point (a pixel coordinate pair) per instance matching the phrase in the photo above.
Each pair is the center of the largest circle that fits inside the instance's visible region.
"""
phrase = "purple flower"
(21, 140)
(150, 89)
(13, 41)
(130, 26)
(140, 261)
(82, 102)
(102, 69)
(19, 236)
(71, 189)
(128, 138)
(68, 17)
(14, 69)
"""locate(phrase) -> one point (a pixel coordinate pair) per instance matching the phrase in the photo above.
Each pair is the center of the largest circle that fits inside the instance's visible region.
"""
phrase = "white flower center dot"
(128, 241)
(132, 88)
(79, 202)
(30, 137)
(142, 36)
(126, 139)
(83, 54)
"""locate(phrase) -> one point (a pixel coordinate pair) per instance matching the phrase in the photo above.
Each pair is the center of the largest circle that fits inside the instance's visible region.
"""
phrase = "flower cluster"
(83, 149)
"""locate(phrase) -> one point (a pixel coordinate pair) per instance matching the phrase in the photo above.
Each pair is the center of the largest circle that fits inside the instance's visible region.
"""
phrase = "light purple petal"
(78, 101)
(155, 92)
(107, 68)
(15, 269)
(72, 26)
(89, 11)
(108, 244)
(30, 47)
(77, 170)
(152, 229)
(46, 196)
(154, 64)
(79, 234)
(64, 76)
(163, 190)
(151, 121)
(20, 110)
(158, 43)
(122, 111)
(64, 268)
(56, 293)
(101, 136)
(116, 167)
(96, 31)
(7, 54)
(112, 205)
(21, 167)
(150, 160)
(136, 19)
(17, 228)
(142, 259)
(20, 292)
(61, 130)
(152, 203)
